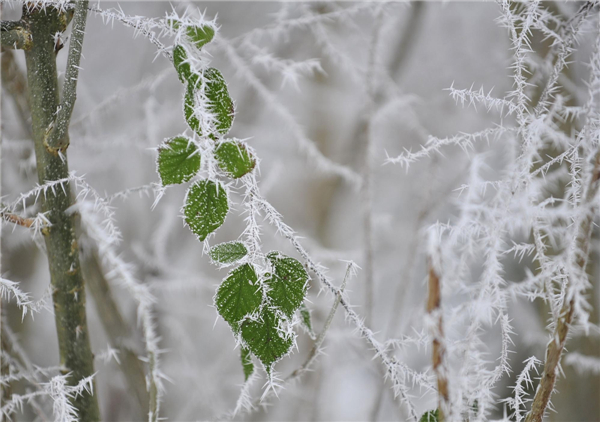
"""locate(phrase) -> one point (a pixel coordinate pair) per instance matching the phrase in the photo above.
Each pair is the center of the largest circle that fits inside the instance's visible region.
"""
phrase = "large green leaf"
(263, 338)
(200, 35)
(238, 295)
(247, 364)
(205, 207)
(227, 253)
(235, 160)
(178, 160)
(288, 283)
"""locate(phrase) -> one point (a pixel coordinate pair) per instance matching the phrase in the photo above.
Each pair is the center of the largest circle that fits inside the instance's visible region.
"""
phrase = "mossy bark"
(61, 243)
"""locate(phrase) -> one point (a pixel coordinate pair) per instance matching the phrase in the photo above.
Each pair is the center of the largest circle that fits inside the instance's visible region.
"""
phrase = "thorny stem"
(58, 139)
(61, 243)
(434, 298)
(556, 345)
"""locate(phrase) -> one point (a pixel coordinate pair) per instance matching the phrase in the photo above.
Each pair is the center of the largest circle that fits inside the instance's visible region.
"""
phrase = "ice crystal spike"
(287, 284)
(205, 207)
(234, 159)
(238, 295)
(178, 160)
(228, 253)
(263, 338)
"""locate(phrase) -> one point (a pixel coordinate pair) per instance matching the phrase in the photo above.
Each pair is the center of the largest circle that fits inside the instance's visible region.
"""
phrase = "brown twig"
(17, 219)
(433, 309)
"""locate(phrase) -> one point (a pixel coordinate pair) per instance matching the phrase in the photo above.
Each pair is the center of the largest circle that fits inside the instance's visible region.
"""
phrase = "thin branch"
(58, 139)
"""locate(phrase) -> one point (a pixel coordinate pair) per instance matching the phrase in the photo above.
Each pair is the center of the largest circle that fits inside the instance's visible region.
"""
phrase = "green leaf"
(263, 338)
(219, 101)
(287, 284)
(229, 252)
(306, 320)
(173, 23)
(205, 207)
(200, 35)
(184, 70)
(189, 103)
(430, 416)
(235, 160)
(247, 364)
(178, 160)
(238, 295)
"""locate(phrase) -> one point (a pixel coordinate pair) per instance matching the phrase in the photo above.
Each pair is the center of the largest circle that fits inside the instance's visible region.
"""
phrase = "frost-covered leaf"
(238, 295)
(184, 70)
(306, 320)
(220, 102)
(178, 160)
(430, 416)
(263, 338)
(189, 104)
(247, 364)
(234, 159)
(205, 207)
(229, 252)
(288, 283)
(200, 35)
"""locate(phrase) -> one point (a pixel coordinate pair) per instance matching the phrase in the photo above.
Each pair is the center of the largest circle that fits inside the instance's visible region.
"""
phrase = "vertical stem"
(433, 308)
(557, 343)
(61, 243)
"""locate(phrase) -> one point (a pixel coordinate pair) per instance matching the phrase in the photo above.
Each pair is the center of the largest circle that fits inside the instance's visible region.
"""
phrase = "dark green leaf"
(205, 207)
(430, 416)
(238, 295)
(263, 338)
(234, 159)
(182, 66)
(200, 35)
(247, 363)
(178, 160)
(306, 320)
(287, 284)
(227, 253)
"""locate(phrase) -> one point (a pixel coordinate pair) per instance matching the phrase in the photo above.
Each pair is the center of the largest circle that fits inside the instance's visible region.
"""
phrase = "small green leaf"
(287, 284)
(178, 160)
(219, 101)
(238, 295)
(173, 23)
(200, 35)
(247, 363)
(227, 253)
(430, 416)
(189, 103)
(263, 338)
(205, 207)
(306, 320)
(184, 70)
(235, 160)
